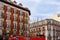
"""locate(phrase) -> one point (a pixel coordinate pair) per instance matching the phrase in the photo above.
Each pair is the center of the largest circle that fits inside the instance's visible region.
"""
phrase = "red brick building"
(13, 18)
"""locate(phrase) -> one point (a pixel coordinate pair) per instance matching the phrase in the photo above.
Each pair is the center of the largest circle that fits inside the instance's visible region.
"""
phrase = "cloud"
(36, 1)
(41, 8)
(40, 16)
(53, 2)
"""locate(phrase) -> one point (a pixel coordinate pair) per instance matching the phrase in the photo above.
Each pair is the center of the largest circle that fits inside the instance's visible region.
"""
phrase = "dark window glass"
(15, 18)
(15, 25)
(8, 24)
(8, 9)
(1, 6)
(1, 23)
(15, 11)
(1, 14)
(8, 16)
(20, 13)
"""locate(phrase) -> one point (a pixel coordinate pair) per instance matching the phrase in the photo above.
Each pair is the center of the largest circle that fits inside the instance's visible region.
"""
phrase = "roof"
(16, 6)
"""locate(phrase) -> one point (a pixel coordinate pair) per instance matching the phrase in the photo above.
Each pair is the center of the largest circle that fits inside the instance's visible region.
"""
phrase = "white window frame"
(8, 16)
(8, 24)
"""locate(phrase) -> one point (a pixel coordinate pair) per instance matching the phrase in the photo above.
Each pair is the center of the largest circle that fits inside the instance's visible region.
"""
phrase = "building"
(56, 16)
(47, 28)
(13, 18)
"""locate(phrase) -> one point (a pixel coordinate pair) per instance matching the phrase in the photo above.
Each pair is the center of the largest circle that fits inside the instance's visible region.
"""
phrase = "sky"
(41, 8)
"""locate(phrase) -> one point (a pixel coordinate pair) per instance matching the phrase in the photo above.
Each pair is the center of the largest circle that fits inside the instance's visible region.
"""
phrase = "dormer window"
(15, 2)
(9, 0)
(20, 4)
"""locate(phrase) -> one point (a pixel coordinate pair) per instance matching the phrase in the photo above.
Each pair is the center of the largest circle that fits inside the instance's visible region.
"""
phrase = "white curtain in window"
(1, 14)
(8, 24)
(20, 12)
(14, 17)
(0, 23)
(15, 25)
(0, 31)
(7, 31)
(8, 9)
(1, 6)
(15, 11)
(8, 16)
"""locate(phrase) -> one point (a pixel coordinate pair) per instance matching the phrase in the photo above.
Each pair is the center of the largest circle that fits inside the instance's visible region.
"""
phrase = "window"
(20, 20)
(40, 23)
(20, 33)
(31, 31)
(1, 6)
(7, 31)
(8, 24)
(15, 25)
(43, 28)
(0, 31)
(49, 22)
(1, 23)
(26, 21)
(39, 29)
(15, 18)
(15, 31)
(15, 11)
(8, 9)
(8, 0)
(26, 14)
(1, 14)
(8, 16)
(20, 13)
(26, 27)
(20, 27)
(34, 30)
